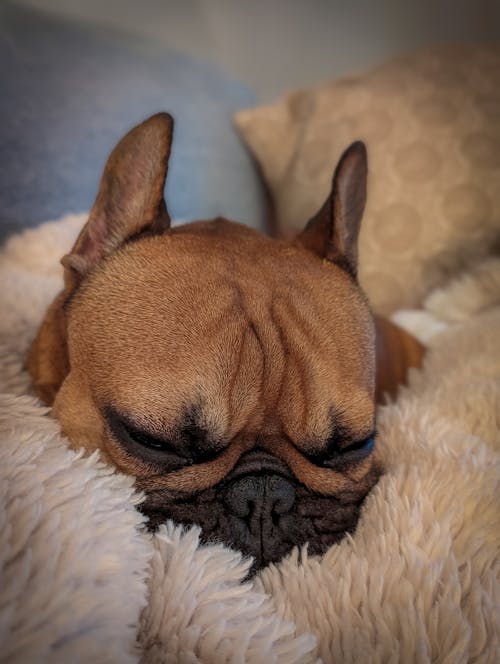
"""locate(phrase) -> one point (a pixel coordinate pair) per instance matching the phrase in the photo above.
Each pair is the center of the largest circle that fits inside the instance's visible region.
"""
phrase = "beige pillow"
(431, 123)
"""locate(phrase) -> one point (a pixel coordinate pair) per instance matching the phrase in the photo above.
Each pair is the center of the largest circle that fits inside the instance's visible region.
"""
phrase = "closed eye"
(336, 456)
(152, 450)
(182, 451)
(147, 440)
(365, 446)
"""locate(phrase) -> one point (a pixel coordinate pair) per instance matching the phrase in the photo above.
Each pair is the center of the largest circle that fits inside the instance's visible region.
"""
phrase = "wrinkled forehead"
(162, 333)
(159, 303)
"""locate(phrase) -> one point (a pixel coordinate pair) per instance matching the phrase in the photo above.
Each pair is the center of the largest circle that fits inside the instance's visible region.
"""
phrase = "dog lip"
(259, 462)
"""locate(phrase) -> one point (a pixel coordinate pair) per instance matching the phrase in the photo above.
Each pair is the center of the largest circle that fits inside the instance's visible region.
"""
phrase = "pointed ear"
(333, 232)
(130, 197)
(129, 203)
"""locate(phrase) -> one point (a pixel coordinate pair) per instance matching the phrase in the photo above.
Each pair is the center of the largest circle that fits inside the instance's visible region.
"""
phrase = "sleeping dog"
(233, 375)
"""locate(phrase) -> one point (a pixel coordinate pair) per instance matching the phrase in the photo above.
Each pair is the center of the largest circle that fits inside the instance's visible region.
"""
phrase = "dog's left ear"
(129, 203)
(333, 232)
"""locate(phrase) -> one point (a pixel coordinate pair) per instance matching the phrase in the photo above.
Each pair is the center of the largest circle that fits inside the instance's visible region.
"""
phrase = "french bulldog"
(232, 374)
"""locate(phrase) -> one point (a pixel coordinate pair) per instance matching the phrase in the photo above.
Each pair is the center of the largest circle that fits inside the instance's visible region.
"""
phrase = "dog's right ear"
(130, 199)
(129, 204)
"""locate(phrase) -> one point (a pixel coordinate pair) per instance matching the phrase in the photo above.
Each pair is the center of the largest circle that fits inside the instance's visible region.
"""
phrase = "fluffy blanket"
(81, 580)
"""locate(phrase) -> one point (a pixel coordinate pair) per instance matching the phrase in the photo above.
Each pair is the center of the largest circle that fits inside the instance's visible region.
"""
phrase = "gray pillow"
(69, 92)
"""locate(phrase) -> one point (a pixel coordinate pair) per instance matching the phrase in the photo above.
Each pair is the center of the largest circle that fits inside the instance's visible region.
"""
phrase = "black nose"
(266, 494)
(259, 507)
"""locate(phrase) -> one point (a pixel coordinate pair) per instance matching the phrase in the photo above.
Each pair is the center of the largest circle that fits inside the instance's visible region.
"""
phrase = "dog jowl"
(233, 375)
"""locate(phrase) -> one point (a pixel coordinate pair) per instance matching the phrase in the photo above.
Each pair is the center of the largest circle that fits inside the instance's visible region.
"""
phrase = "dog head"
(231, 374)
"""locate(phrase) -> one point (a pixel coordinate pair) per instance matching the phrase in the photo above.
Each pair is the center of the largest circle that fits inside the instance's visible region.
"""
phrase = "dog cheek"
(79, 418)
(201, 509)
(319, 521)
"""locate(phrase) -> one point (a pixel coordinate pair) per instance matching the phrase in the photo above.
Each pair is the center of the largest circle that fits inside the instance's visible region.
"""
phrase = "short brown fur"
(269, 343)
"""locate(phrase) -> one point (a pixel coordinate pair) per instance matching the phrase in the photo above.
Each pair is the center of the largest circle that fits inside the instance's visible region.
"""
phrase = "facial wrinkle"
(299, 345)
(247, 381)
(269, 340)
(287, 352)
(272, 344)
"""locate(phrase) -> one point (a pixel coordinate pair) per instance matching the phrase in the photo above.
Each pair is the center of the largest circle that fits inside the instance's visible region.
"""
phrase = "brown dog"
(232, 374)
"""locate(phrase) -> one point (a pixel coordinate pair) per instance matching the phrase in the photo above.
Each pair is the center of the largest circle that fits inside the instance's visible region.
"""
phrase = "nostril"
(281, 495)
(240, 497)
(267, 493)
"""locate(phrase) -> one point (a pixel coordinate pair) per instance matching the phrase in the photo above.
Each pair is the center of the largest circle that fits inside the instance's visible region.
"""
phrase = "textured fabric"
(417, 582)
(74, 560)
(431, 123)
(70, 92)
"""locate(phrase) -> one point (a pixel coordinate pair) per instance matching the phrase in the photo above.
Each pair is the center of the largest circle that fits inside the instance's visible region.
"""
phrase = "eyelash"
(365, 445)
(352, 453)
(152, 450)
(149, 442)
(162, 449)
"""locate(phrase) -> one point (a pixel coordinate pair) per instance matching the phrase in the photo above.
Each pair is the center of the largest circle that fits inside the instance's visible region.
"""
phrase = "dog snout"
(260, 512)
(259, 496)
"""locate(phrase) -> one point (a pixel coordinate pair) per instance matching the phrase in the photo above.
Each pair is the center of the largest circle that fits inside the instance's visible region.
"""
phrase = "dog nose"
(265, 494)
(260, 516)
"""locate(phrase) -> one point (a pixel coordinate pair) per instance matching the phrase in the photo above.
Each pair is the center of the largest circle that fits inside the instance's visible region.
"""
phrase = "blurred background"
(76, 75)
(273, 45)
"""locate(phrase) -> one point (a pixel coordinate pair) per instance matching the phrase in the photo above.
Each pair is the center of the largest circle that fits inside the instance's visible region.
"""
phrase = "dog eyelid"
(124, 431)
(354, 451)
(146, 439)
(365, 444)
(122, 428)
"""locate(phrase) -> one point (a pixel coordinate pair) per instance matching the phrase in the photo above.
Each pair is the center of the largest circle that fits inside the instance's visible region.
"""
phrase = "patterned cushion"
(431, 122)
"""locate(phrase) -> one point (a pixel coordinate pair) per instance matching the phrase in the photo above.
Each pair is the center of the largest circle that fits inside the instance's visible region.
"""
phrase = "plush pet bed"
(81, 580)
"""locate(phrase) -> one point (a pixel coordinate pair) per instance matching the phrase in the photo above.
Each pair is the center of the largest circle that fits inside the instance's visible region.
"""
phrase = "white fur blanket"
(81, 580)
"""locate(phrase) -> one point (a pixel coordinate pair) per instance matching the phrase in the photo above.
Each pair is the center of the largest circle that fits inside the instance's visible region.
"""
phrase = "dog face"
(231, 374)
